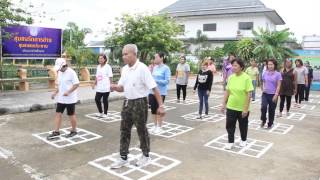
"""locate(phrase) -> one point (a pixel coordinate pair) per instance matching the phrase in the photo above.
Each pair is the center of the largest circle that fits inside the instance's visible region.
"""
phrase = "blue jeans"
(266, 100)
(253, 94)
(203, 98)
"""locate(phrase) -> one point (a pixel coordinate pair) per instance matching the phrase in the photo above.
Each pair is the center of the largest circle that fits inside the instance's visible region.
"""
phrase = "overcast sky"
(300, 16)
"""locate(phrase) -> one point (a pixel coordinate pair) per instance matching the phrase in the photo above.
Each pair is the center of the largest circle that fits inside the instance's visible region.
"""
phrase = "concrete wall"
(227, 26)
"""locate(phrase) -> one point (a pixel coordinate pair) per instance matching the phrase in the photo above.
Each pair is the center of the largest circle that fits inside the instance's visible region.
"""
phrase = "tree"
(245, 49)
(73, 43)
(201, 40)
(271, 44)
(73, 36)
(230, 47)
(11, 15)
(149, 33)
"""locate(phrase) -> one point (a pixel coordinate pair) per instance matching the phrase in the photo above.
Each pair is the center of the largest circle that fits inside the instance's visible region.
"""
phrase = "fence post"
(85, 74)
(23, 84)
(53, 76)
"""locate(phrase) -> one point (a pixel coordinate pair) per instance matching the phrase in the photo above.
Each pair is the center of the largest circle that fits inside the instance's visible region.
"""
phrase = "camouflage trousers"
(134, 112)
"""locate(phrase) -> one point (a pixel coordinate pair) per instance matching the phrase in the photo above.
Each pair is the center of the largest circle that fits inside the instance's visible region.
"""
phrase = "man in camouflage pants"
(136, 81)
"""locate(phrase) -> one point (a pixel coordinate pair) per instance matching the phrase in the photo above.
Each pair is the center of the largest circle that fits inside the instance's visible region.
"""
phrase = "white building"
(222, 20)
(311, 42)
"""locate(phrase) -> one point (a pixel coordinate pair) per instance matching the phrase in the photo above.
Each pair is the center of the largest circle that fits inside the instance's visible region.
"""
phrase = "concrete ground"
(294, 155)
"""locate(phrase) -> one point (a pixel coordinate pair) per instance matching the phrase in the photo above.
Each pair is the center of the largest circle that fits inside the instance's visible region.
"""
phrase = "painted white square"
(61, 141)
(167, 108)
(254, 148)
(216, 96)
(212, 96)
(296, 116)
(158, 165)
(310, 100)
(305, 107)
(112, 116)
(212, 117)
(187, 101)
(169, 129)
(278, 128)
(218, 107)
(314, 96)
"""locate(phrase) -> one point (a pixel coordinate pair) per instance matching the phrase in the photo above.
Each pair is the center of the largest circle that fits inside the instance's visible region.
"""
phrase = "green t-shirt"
(238, 87)
(252, 72)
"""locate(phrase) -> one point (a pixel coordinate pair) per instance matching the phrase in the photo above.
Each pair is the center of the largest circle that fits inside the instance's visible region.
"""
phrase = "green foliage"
(271, 44)
(150, 33)
(82, 56)
(73, 36)
(73, 42)
(245, 49)
(230, 47)
(11, 15)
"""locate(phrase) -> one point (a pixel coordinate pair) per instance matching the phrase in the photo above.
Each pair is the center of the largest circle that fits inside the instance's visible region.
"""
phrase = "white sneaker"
(242, 143)
(97, 114)
(157, 130)
(288, 114)
(228, 146)
(143, 161)
(103, 115)
(279, 115)
(119, 164)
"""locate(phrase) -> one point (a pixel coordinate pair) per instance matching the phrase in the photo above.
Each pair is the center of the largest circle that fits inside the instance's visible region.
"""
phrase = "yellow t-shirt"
(238, 87)
(252, 72)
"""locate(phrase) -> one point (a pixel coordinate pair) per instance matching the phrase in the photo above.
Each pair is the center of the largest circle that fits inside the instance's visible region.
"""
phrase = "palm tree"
(201, 40)
(271, 44)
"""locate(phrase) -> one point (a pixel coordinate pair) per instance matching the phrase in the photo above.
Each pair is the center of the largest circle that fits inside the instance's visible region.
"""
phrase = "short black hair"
(184, 57)
(300, 61)
(238, 61)
(163, 56)
(274, 62)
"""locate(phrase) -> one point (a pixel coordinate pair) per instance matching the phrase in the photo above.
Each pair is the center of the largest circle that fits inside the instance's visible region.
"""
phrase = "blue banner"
(31, 42)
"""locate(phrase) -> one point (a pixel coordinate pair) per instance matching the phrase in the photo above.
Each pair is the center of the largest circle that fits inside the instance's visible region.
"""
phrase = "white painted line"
(212, 117)
(218, 107)
(5, 119)
(31, 172)
(5, 154)
(169, 129)
(63, 142)
(250, 147)
(314, 96)
(278, 128)
(187, 101)
(113, 116)
(167, 108)
(296, 116)
(304, 107)
(132, 169)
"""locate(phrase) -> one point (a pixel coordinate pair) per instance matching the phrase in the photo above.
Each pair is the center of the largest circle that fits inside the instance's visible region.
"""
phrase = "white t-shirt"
(65, 82)
(136, 81)
(103, 76)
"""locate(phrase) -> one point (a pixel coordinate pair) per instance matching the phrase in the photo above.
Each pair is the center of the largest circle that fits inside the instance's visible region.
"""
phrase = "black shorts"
(154, 104)
(70, 108)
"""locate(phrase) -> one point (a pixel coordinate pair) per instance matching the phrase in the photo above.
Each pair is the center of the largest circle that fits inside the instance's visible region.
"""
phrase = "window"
(210, 27)
(245, 25)
(183, 28)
